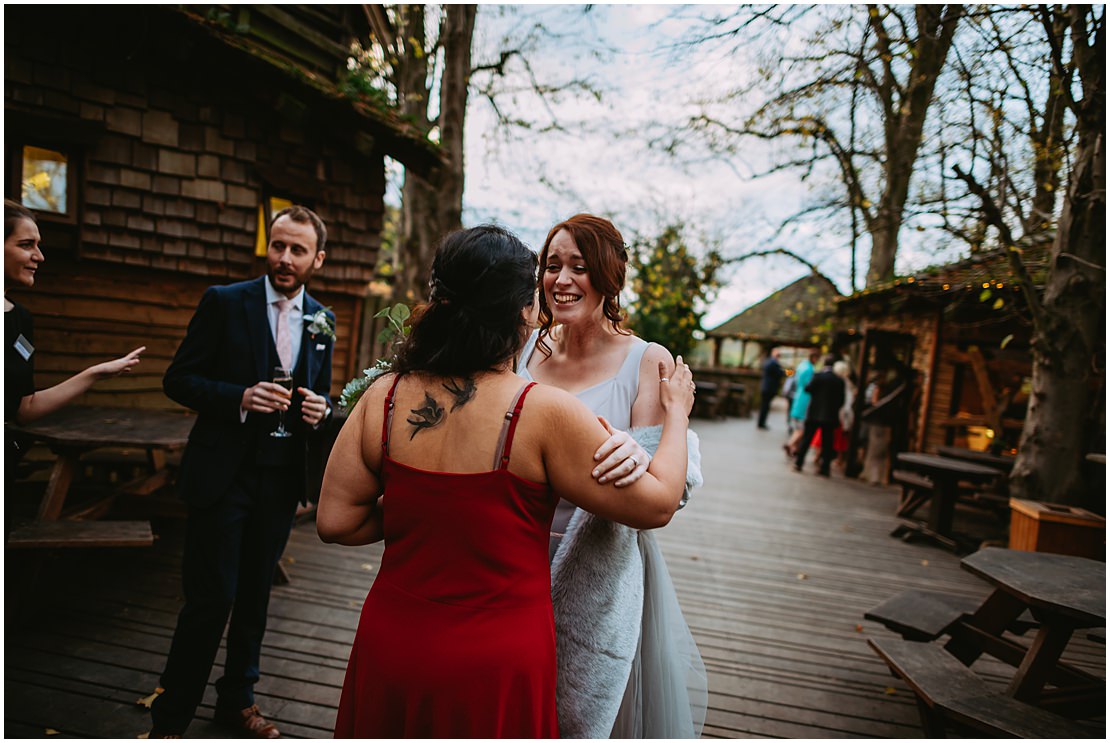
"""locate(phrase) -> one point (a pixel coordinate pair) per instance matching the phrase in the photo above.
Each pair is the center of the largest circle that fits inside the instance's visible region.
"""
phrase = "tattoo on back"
(461, 391)
(428, 415)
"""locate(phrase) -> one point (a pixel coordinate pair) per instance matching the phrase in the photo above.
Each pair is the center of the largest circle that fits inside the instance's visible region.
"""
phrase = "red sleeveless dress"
(457, 637)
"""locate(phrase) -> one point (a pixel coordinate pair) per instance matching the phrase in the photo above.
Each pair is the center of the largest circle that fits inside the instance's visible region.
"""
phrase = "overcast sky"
(529, 181)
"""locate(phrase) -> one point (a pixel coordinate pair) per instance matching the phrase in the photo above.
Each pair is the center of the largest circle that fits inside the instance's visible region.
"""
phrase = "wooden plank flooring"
(774, 570)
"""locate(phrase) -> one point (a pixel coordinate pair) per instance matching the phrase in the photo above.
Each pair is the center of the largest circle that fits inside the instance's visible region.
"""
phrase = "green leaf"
(385, 335)
(984, 295)
(400, 312)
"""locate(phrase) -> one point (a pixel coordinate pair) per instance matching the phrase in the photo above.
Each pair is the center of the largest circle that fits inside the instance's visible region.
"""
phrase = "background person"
(802, 376)
(456, 637)
(628, 665)
(826, 391)
(847, 412)
(22, 403)
(241, 484)
(769, 385)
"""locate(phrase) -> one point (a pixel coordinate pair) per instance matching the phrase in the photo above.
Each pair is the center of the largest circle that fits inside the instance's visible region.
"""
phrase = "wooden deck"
(774, 570)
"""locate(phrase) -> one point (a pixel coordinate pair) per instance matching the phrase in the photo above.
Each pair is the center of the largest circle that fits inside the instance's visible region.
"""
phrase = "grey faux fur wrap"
(597, 589)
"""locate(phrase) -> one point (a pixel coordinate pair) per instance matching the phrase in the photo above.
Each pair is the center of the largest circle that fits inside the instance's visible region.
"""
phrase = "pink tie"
(284, 339)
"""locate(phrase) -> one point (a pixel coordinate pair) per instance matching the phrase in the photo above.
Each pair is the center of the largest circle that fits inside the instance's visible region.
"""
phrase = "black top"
(19, 373)
(772, 375)
(826, 391)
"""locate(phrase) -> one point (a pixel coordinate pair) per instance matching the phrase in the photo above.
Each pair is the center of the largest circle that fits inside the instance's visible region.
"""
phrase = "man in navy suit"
(241, 484)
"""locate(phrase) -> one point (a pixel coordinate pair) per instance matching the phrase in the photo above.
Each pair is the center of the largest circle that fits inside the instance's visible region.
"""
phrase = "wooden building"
(795, 316)
(154, 143)
(963, 329)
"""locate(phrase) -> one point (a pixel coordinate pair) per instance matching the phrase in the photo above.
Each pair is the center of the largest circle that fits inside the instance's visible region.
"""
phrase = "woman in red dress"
(456, 637)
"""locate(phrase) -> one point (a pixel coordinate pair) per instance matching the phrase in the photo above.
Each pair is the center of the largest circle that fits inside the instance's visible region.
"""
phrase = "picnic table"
(77, 430)
(945, 474)
(1055, 594)
(1063, 592)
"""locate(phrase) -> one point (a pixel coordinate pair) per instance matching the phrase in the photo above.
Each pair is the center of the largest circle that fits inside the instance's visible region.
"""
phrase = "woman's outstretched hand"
(676, 392)
(620, 456)
(117, 366)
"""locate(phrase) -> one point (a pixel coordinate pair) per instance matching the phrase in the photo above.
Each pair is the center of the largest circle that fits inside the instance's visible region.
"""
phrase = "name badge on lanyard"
(23, 347)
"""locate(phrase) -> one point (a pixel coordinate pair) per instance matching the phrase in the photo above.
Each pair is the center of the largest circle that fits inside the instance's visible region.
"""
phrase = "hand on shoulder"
(647, 409)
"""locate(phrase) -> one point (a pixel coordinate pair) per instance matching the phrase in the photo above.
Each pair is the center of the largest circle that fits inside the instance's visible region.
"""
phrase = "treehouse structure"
(155, 142)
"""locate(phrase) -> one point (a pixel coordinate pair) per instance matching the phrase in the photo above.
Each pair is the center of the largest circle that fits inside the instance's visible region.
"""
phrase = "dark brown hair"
(481, 280)
(303, 214)
(13, 213)
(606, 258)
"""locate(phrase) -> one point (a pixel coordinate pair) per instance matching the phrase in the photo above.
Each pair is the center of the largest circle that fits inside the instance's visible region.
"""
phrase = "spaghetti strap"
(508, 429)
(387, 417)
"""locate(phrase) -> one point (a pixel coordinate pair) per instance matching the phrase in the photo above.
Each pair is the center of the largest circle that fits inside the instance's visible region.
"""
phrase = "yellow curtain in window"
(276, 204)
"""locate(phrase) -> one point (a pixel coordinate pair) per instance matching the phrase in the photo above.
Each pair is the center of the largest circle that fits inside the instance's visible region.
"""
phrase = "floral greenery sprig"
(320, 324)
(392, 335)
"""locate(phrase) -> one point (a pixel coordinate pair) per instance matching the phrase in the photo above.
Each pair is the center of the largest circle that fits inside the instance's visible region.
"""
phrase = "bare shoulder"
(557, 408)
(372, 402)
(653, 355)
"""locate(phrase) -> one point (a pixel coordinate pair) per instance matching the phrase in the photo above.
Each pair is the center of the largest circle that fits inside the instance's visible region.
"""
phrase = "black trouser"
(765, 399)
(828, 450)
(231, 551)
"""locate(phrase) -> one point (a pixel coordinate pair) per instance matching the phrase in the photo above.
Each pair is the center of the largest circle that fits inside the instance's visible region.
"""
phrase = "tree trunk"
(1048, 154)
(431, 210)
(1069, 346)
(936, 28)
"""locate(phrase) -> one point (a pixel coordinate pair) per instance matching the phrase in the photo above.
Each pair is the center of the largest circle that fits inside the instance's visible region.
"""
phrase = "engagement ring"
(663, 379)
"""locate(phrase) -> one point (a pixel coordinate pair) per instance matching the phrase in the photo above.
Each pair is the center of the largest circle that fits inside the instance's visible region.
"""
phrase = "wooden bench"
(949, 693)
(921, 615)
(53, 534)
(736, 401)
(926, 615)
(707, 402)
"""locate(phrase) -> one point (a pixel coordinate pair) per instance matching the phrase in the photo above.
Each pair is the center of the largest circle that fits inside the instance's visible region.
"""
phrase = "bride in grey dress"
(628, 665)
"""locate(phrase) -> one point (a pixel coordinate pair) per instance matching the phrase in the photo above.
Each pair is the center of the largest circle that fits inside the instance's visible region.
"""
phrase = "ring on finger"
(635, 463)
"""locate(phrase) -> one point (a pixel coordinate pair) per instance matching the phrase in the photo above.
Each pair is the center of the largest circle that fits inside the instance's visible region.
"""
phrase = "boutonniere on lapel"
(320, 324)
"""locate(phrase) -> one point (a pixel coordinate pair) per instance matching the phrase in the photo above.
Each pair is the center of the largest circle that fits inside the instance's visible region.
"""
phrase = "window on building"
(46, 181)
(266, 211)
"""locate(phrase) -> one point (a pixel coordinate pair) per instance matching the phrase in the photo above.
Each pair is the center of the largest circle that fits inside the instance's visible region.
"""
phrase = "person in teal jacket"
(802, 375)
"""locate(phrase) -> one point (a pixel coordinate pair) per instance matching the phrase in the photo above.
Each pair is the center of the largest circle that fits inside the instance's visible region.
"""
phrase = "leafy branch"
(393, 334)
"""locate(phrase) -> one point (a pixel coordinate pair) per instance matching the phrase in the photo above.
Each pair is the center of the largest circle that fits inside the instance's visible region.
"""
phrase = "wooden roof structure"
(977, 287)
(796, 315)
(311, 44)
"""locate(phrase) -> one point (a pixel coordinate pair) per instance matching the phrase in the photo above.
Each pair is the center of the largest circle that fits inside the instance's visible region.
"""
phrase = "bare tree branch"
(1013, 252)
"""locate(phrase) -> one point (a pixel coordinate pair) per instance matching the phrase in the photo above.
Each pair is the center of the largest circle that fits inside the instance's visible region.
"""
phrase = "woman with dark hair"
(456, 637)
(22, 404)
(628, 665)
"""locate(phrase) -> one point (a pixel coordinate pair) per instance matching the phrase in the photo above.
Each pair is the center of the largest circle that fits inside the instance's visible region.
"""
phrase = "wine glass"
(284, 377)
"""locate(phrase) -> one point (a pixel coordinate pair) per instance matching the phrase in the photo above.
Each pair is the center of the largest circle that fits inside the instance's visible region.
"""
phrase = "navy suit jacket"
(228, 348)
(826, 391)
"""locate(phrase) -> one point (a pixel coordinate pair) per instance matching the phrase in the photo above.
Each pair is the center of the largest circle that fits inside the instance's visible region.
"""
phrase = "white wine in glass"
(284, 377)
